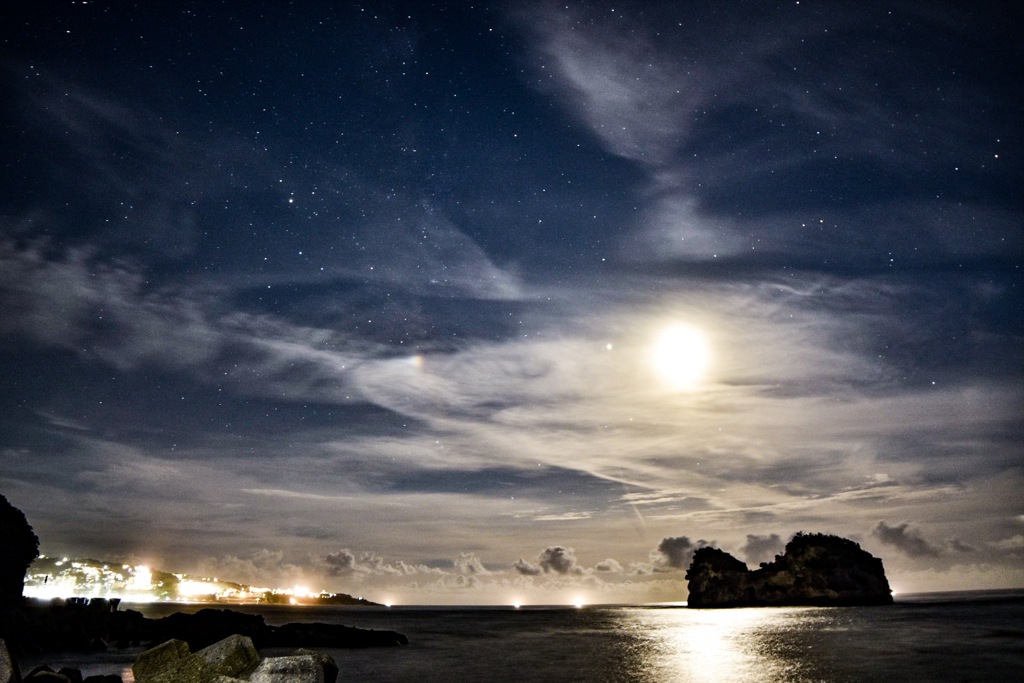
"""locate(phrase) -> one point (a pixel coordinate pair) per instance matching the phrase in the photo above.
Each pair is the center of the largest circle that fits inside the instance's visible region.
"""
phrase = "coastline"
(652, 642)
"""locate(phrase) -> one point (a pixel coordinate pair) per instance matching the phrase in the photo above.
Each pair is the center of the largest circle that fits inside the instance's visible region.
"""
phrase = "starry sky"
(373, 296)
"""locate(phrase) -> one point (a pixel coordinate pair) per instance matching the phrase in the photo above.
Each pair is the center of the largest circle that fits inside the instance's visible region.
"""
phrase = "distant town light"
(191, 589)
(49, 578)
(142, 580)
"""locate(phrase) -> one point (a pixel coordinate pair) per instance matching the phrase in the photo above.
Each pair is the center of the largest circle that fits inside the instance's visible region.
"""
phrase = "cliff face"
(815, 569)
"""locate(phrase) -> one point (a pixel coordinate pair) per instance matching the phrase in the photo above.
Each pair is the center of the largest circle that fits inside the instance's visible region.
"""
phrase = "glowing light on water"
(712, 645)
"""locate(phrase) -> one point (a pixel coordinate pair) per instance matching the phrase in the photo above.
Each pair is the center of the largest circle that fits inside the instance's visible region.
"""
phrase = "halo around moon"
(680, 356)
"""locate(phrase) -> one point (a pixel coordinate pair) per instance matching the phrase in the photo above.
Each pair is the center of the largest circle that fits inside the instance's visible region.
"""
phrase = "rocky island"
(814, 569)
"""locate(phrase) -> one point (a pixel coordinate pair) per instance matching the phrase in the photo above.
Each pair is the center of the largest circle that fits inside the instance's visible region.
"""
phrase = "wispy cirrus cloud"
(709, 109)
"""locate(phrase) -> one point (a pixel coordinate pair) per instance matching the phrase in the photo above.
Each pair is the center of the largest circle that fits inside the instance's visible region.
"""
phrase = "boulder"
(326, 662)
(103, 678)
(291, 669)
(9, 671)
(170, 662)
(173, 662)
(45, 674)
(234, 656)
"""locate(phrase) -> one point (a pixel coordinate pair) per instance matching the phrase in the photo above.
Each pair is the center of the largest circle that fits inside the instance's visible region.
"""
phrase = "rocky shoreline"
(190, 647)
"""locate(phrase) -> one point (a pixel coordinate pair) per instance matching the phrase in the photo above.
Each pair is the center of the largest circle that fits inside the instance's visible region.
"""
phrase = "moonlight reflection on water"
(714, 645)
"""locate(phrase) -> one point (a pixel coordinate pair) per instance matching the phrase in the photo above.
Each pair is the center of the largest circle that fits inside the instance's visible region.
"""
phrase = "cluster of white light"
(77, 578)
(142, 579)
(67, 578)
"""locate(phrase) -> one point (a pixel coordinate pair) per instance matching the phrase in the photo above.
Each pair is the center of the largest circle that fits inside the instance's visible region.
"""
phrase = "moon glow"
(680, 355)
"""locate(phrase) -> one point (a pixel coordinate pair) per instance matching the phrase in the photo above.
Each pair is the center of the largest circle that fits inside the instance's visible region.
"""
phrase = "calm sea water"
(937, 637)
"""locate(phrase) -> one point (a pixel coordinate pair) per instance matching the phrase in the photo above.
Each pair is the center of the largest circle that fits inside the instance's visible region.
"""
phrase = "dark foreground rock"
(232, 660)
(44, 674)
(211, 625)
(172, 661)
(815, 569)
(34, 628)
(9, 670)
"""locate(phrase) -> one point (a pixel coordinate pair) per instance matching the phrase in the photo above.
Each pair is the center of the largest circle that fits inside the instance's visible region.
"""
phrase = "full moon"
(681, 355)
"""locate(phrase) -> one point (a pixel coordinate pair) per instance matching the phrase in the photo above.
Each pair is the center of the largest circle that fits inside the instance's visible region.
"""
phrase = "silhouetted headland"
(815, 569)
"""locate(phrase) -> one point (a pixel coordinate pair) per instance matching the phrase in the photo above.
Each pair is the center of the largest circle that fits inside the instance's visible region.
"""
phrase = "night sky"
(375, 296)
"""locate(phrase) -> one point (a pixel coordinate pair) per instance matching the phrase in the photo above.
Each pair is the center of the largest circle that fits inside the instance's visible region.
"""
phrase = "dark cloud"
(759, 549)
(609, 566)
(902, 537)
(676, 552)
(346, 563)
(559, 560)
(554, 559)
(526, 568)
(340, 563)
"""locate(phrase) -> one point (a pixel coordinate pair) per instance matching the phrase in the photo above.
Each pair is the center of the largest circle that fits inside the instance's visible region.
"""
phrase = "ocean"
(977, 636)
